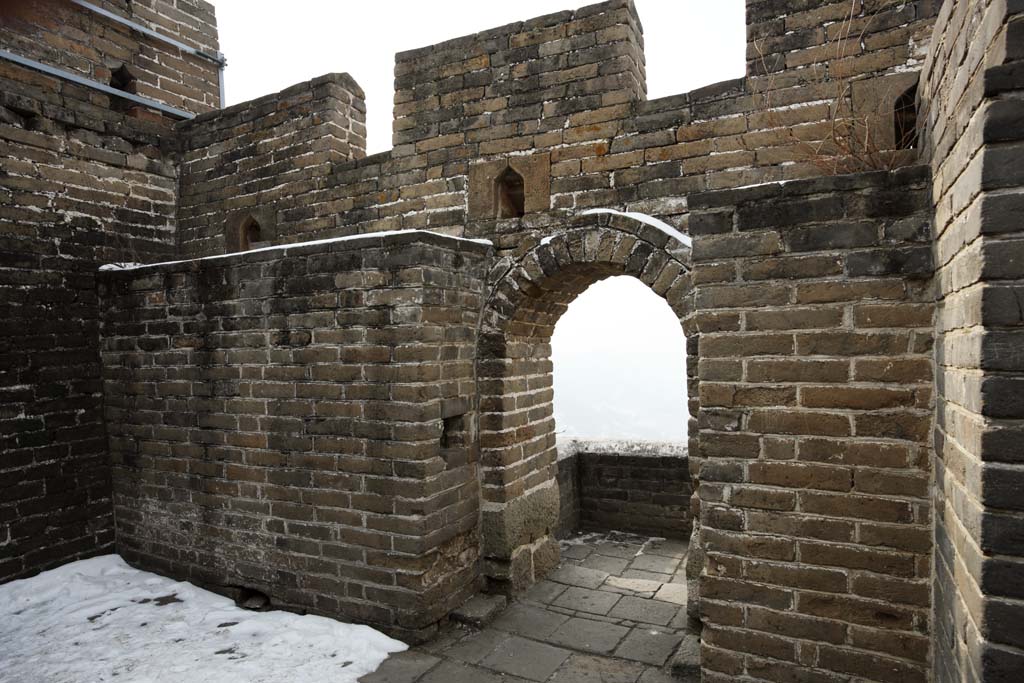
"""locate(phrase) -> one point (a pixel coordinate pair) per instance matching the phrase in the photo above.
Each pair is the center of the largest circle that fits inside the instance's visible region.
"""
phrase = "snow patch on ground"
(101, 620)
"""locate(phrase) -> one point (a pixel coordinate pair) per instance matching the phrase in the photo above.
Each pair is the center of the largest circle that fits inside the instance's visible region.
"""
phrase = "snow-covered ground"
(100, 620)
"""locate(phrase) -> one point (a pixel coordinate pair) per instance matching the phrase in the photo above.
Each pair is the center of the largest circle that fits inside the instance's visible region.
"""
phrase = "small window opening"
(510, 195)
(905, 113)
(453, 433)
(123, 79)
(249, 235)
(250, 598)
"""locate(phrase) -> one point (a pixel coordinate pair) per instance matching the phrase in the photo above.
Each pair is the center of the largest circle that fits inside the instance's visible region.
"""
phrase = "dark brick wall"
(972, 86)
(300, 422)
(80, 185)
(637, 487)
(261, 159)
(568, 477)
(814, 305)
(88, 44)
(570, 87)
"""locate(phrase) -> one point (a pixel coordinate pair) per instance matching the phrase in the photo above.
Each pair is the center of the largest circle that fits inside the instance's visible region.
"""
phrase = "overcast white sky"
(618, 351)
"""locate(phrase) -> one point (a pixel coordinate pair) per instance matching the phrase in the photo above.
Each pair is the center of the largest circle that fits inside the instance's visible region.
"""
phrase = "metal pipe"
(95, 85)
(216, 57)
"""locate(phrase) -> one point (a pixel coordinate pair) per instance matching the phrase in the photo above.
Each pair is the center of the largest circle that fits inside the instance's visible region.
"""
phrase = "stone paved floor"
(613, 612)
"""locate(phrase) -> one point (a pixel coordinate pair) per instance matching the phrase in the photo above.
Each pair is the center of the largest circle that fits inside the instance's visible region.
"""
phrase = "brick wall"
(814, 311)
(971, 89)
(512, 88)
(262, 158)
(299, 422)
(637, 487)
(568, 477)
(569, 87)
(81, 185)
(70, 37)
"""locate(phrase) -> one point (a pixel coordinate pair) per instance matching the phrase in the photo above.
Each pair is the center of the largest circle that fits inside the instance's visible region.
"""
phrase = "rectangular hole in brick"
(453, 433)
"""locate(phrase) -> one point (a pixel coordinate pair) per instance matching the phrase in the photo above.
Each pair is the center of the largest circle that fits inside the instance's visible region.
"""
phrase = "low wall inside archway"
(639, 487)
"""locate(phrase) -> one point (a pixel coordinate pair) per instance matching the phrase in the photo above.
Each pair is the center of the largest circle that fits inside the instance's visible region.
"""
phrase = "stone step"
(685, 663)
(480, 610)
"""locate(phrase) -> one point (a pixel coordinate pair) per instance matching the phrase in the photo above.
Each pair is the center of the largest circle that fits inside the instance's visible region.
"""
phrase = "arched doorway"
(519, 491)
(621, 416)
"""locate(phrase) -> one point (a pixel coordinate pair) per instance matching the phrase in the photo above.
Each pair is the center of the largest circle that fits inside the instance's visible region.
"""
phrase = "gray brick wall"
(971, 89)
(636, 487)
(300, 422)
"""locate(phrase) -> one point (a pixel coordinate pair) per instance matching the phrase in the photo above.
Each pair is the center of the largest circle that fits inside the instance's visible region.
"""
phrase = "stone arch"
(528, 294)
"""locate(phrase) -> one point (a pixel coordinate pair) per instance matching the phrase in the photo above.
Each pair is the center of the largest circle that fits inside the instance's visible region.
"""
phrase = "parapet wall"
(635, 487)
(971, 88)
(564, 96)
(259, 160)
(298, 421)
(511, 88)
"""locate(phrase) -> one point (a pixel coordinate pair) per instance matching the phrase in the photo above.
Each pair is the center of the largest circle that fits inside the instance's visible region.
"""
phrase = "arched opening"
(619, 339)
(516, 435)
(905, 119)
(249, 234)
(519, 456)
(620, 410)
(509, 194)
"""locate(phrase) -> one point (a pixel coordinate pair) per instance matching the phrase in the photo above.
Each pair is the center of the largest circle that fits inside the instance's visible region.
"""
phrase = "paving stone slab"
(526, 658)
(480, 609)
(578, 576)
(587, 600)
(666, 548)
(655, 675)
(622, 550)
(655, 563)
(529, 620)
(644, 611)
(544, 591)
(589, 635)
(646, 576)
(454, 672)
(447, 637)
(594, 669)
(640, 587)
(576, 552)
(476, 646)
(612, 565)
(403, 667)
(672, 592)
(646, 645)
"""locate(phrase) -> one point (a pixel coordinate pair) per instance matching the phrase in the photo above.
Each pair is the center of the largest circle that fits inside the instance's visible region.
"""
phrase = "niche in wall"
(510, 188)
(249, 230)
